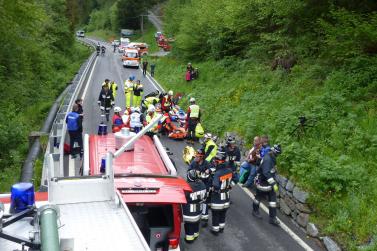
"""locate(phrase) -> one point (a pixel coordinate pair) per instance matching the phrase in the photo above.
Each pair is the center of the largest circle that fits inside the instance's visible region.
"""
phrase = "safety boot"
(256, 214)
(274, 221)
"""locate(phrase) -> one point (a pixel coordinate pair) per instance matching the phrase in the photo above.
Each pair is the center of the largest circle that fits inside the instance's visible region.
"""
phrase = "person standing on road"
(153, 66)
(74, 127)
(210, 147)
(233, 157)
(128, 90)
(138, 93)
(106, 82)
(202, 168)
(266, 184)
(114, 88)
(248, 170)
(220, 197)
(106, 101)
(191, 210)
(193, 118)
(145, 66)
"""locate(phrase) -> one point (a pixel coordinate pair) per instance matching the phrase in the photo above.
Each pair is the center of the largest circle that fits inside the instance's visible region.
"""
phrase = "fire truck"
(146, 179)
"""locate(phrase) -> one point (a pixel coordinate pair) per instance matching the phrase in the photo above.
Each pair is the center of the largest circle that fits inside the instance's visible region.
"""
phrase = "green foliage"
(333, 84)
(38, 57)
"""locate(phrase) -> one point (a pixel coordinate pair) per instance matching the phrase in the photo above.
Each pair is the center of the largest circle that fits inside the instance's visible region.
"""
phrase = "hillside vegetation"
(38, 56)
(263, 64)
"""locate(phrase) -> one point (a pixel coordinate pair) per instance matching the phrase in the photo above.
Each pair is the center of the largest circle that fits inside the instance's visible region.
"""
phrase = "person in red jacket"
(167, 102)
(117, 119)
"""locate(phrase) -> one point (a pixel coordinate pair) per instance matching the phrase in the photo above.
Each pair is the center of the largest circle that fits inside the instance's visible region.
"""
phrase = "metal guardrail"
(53, 165)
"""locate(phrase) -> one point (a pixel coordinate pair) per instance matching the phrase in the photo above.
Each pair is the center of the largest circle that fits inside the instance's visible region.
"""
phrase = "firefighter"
(166, 102)
(151, 114)
(193, 118)
(233, 156)
(266, 184)
(138, 93)
(128, 90)
(210, 147)
(220, 197)
(117, 119)
(106, 101)
(152, 100)
(192, 210)
(136, 120)
(114, 88)
(202, 167)
(106, 82)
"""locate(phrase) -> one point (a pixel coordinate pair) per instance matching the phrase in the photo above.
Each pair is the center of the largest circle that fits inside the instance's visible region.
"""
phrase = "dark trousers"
(75, 136)
(144, 71)
(218, 219)
(191, 128)
(191, 230)
(205, 207)
(152, 73)
(271, 201)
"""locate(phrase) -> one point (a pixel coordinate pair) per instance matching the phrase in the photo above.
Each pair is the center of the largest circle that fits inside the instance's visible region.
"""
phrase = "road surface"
(243, 232)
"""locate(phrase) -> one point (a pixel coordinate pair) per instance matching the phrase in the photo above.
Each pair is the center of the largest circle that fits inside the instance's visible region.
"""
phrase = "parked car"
(80, 33)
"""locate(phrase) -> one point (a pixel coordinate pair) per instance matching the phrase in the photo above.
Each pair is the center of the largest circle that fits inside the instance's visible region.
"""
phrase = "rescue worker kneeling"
(151, 114)
(220, 197)
(266, 184)
(117, 120)
(192, 210)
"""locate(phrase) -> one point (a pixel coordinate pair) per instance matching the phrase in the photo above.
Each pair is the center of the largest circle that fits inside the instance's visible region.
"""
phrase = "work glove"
(276, 188)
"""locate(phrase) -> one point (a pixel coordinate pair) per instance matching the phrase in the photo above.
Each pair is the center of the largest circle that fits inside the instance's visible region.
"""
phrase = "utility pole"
(142, 25)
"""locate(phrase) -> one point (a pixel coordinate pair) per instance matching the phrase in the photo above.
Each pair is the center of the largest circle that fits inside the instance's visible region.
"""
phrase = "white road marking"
(282, 225)
(89, 79)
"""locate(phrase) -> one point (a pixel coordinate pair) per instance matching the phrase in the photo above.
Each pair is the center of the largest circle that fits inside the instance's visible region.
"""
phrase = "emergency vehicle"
(141, 47)
(148, 182)
(123, 44)
(131, 58)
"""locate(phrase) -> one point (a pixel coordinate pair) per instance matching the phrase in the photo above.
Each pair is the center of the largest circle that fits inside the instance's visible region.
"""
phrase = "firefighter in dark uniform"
(233, 156)
(220, 198)
(192, 210)
(202, 168)
(106, 101)
(266, 184)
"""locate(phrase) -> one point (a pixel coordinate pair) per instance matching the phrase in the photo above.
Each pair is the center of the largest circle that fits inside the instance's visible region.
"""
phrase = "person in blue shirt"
(74, 127)
(265, 146)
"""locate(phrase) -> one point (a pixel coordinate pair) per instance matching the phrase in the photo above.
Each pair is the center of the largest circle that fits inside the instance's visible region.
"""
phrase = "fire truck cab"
(147, 181)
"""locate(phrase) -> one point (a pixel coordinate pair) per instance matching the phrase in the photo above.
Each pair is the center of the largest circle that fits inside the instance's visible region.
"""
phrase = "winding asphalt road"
(243, 232)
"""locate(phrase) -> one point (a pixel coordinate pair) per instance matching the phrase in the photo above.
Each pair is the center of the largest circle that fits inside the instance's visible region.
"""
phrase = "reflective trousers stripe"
(188, 218)
(264, 188)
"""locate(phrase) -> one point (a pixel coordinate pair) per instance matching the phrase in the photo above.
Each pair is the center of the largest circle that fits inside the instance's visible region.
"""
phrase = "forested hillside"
(38, 56)
(263, 64)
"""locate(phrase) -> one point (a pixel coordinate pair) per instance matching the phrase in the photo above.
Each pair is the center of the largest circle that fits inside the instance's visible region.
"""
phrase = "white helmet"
(132, 109)
(151, 108)
(117, 109)
(170, 93)
(192, 100)
(207, 136)
(137, 109)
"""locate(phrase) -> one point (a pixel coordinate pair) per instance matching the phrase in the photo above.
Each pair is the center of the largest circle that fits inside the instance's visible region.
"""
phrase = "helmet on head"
(170, 93)
(107, 80)
(220, 155)
(151, 108)
(231, 140)
(117, 109)
(207, 136)
(276, 149)
(192, 100)
(192, 175)
(132, 109)
(137, 109)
